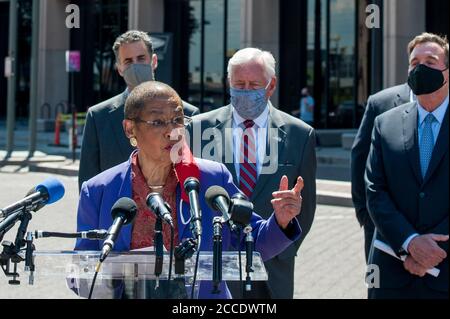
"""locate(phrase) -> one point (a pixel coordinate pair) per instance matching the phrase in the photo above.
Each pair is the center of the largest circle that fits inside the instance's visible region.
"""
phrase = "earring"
(133, 141)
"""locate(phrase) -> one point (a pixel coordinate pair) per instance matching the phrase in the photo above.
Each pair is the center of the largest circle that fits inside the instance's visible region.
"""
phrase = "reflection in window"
(342, 59)
(112, 19)
(215, 57)
(23, 65)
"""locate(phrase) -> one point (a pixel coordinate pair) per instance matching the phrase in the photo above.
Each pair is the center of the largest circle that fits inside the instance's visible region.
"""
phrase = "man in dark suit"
(104, 142)
(376, 104)
(259, 145)
(407, 178)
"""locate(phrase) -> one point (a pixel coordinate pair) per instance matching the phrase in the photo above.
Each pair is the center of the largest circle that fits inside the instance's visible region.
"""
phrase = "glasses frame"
(186, 121)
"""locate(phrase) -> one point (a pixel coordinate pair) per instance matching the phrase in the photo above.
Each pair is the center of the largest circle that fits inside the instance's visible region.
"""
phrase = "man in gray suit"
(259, 145)
(376, 105)
(407, 179)
(104, 142)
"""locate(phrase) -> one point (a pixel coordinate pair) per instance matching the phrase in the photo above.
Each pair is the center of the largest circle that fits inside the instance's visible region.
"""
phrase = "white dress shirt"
(260, 133)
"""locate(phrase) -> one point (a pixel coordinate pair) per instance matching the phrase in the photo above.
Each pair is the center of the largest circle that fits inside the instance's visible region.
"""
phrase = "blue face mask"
(249, 103)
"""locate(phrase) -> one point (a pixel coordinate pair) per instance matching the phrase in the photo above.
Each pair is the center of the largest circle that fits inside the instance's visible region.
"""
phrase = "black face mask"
(425, 80)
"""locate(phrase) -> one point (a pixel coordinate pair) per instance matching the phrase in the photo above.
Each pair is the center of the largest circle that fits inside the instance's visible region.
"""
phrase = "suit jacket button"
(422, 195)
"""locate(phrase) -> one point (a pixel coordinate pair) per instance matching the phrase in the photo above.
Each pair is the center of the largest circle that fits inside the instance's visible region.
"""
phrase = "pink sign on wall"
(73, 61)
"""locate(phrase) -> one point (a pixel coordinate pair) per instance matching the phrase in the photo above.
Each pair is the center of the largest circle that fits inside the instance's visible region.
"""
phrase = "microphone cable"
(196, 267)
(240, 263)
(97, 269)
(171, 254)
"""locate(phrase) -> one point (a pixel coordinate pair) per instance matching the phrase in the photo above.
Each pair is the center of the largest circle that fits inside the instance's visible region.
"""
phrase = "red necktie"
(247, 160)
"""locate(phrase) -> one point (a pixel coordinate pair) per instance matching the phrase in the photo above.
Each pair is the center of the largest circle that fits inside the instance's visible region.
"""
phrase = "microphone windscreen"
(53, 188)
(212, 193)
(126, 207)
(191, 183)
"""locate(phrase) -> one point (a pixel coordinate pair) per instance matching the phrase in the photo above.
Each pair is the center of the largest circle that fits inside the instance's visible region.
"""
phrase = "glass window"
(4, 31)
(112, 19)
(342, 59)
(207, 78)
(98, 79)
(23, 65)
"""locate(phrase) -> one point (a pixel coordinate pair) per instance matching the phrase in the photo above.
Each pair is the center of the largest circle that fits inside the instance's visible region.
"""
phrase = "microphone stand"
(11, 250)
(29, 258)
(159, 250)
(217, 254)
(95, 234)
(249, 247)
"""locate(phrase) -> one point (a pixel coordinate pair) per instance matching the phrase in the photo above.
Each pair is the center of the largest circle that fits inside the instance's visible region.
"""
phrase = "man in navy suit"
(407, 179)
(376, 104)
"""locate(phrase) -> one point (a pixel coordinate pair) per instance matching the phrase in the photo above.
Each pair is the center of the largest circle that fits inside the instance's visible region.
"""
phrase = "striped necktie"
(247, 160)
(426, 143)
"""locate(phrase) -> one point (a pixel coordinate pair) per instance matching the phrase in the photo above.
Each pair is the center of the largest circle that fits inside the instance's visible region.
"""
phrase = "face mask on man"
(425, 80)
(249, 103)
(138, 73)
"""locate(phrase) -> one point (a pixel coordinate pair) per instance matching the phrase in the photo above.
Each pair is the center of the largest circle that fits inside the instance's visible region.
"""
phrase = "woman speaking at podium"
(155, 125)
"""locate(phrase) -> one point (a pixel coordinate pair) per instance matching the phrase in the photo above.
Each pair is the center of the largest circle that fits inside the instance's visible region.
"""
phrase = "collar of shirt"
(260, 121)
(438, 113)
(412, 96)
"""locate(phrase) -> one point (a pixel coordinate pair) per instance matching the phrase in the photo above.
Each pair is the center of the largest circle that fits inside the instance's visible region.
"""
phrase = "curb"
(326, 189)
(51, 169)
(334, 199)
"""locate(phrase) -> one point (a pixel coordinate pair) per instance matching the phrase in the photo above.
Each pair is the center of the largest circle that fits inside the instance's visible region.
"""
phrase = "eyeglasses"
(179, 121)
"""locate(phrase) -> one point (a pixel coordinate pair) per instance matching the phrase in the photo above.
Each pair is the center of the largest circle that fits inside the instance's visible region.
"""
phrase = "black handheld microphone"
(241, 209)
(192, 188)
(123, 213)
(218, 199)
(156, 203)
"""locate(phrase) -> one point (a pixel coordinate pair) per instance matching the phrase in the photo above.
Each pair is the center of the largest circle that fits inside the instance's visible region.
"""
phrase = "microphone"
(123, 213)
(241, 209)
(192, 188)
(49, 191)
(156, 203)
(217, 199)
(94, 234)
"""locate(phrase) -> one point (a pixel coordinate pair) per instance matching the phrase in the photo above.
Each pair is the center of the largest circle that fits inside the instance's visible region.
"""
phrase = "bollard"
(57, 140)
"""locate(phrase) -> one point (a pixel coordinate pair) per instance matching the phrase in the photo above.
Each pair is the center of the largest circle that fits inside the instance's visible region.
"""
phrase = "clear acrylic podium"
(131, 274)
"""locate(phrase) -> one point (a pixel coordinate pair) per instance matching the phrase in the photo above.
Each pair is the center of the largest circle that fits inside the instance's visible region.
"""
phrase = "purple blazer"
(100, 193)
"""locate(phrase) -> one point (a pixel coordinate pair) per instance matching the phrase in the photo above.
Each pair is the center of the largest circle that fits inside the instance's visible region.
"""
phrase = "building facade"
(343, 50)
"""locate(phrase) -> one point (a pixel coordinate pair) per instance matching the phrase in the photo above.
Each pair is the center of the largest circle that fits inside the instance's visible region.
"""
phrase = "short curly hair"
(131, 37)
(145, 93)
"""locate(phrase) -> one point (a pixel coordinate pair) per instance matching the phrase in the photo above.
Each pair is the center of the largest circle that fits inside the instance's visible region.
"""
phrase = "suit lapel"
(275, 136)
(440, 149)
(225, 142)
(410, 138)
(403, 96)
(125, 191)
(116, 116)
